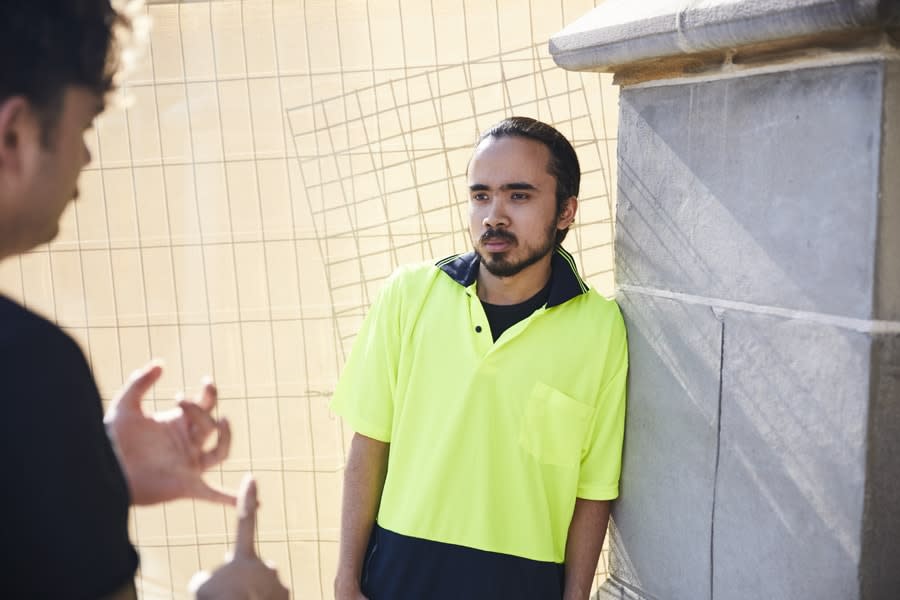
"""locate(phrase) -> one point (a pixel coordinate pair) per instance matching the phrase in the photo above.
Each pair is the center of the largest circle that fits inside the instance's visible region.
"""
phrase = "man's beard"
(499, 266)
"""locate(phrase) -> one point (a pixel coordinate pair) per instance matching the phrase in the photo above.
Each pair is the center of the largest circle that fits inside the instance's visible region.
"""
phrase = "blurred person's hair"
(49, 45)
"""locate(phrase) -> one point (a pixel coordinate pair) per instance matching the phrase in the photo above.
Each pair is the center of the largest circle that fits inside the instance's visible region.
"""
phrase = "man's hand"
(244, 576)
(163, 455)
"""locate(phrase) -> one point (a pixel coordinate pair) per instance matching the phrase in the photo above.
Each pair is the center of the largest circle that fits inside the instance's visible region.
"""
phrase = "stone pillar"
(758, 266)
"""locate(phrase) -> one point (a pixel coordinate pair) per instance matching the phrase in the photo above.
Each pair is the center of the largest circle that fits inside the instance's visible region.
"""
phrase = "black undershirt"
(503, 316)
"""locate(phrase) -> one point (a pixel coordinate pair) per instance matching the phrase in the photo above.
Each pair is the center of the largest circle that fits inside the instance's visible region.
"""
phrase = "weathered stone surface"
(789, 493)
(762, 189)
(660, 543)
(887, 276)
(762, 440)
(620, 32)
(880, 564)
(612, 590)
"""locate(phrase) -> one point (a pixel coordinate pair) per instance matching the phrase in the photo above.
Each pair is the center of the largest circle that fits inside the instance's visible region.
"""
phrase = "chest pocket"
(554, 426)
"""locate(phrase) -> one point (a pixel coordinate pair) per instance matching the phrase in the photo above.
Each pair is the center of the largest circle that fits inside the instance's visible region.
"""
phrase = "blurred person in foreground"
(70, 473)
(487, 393)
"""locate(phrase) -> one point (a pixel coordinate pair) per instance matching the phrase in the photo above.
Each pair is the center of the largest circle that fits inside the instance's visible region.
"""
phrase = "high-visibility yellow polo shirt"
(491, 442)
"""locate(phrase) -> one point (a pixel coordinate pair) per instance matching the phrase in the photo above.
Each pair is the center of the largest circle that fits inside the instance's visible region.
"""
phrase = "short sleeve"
(601, 462)
(364, 395)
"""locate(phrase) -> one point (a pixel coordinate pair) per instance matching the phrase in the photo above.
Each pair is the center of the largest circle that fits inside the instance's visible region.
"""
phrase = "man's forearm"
(586, 534)
(363, 483)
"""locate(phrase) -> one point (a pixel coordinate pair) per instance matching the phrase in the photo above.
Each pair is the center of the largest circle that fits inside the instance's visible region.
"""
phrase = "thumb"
(246, 528)
(138, 385)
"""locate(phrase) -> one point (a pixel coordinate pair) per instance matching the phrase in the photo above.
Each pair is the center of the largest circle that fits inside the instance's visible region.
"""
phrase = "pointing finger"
(247, 505)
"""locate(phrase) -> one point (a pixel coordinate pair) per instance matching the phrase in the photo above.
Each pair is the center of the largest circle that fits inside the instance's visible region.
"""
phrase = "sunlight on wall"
(280, 159)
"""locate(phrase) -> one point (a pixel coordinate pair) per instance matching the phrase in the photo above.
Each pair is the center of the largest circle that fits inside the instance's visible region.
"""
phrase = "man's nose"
(496, 215)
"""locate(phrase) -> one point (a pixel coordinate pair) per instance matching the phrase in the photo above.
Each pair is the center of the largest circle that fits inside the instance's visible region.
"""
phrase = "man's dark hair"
(48, 45)
(563, 163)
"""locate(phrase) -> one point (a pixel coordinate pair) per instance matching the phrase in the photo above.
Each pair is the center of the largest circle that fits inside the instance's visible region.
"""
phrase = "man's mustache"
(499, 235)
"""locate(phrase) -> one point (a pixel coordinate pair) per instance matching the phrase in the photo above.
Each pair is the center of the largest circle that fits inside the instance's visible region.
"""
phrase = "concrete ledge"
(621, 32)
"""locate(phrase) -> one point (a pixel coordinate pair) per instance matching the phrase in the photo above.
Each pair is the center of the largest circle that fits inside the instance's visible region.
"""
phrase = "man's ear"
(15, 118)
(567, 215)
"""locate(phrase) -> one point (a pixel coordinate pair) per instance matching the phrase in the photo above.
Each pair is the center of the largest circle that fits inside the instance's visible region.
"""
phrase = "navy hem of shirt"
(400, 567)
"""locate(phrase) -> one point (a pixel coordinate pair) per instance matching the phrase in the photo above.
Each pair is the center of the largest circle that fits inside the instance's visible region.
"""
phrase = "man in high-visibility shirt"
(487, 393)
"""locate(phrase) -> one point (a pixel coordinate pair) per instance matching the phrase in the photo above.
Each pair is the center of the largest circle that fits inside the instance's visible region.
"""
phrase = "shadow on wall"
(745, 449)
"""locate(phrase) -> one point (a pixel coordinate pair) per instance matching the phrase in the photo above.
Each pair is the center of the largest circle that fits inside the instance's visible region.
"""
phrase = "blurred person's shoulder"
(19, 325)
(32, 346)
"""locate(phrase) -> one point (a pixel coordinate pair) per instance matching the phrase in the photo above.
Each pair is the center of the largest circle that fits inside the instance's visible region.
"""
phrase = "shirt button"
(478, 329)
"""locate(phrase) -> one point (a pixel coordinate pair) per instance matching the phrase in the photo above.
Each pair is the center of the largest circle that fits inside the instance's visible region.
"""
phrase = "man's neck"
(518, 288)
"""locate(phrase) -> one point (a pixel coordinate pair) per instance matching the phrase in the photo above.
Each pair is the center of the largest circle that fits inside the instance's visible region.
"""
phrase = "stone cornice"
(625, 32)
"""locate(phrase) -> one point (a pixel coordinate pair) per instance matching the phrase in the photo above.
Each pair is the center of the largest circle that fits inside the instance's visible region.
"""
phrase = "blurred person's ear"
(17, 121)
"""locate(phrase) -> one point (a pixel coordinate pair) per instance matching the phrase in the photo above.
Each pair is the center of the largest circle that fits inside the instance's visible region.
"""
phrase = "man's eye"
(519, 196)
(479, 197)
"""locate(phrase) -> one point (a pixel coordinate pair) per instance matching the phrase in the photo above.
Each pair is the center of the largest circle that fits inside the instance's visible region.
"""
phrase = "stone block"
(880, 564)
(661, 535)
(887, 276)
(791, 474)
(760, 189)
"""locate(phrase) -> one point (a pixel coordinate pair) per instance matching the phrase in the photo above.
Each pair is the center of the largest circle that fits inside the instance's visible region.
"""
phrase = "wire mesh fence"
(280, 159)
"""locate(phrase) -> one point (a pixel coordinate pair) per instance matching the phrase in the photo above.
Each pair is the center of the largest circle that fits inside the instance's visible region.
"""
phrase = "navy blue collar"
(565, 283)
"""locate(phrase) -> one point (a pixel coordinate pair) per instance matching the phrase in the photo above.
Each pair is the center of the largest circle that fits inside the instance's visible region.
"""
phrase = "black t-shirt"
(65, 499)
(503, 316)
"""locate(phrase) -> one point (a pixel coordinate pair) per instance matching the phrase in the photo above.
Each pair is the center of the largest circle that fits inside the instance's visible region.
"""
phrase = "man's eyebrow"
(517, 185)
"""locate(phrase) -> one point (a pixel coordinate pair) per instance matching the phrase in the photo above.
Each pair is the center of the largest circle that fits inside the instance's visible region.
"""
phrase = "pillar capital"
(653, 39)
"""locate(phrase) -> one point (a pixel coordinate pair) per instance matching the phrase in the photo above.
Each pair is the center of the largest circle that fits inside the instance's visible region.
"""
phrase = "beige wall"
(281, 158)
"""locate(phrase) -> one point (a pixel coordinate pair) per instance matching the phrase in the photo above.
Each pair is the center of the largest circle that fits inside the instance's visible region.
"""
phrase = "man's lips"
(496, 245)
(497, 240)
